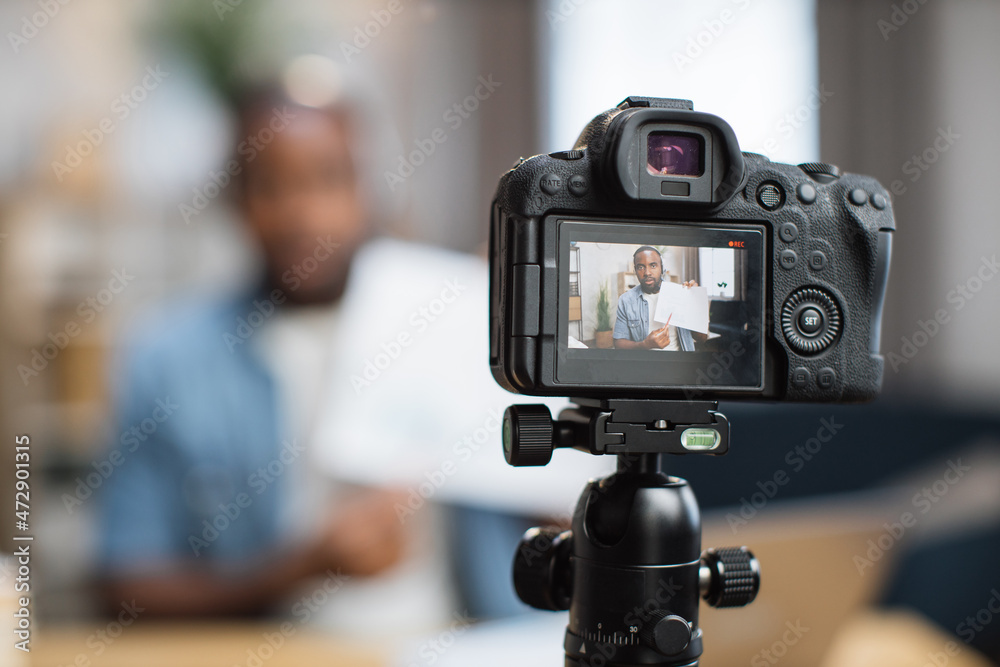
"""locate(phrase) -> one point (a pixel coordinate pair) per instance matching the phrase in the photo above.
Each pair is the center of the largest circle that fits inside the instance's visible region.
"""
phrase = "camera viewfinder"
(673, 154)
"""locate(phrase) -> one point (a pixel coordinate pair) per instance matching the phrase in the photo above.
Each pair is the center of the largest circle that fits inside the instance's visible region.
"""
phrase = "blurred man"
(634, 328)
(219, 509)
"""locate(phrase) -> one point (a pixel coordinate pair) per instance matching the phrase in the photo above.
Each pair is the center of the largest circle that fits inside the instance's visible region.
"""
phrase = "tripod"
(630, 570)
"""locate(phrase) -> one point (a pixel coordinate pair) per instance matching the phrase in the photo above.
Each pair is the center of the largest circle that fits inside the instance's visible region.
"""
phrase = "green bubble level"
(700, 439)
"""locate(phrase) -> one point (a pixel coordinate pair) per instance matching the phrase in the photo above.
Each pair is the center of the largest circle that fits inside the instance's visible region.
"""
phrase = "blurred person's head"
(301, 193)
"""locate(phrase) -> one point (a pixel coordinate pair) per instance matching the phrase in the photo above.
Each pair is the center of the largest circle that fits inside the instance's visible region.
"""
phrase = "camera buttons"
(879, 201)
(788, 232)
(810, 320)
(806, 193)
(770, 195)
(567, 155)
(817, 260)
(801, 377)
(550, 183)
(788, 259)
(826, 378)
(578, 186)
(858, 196)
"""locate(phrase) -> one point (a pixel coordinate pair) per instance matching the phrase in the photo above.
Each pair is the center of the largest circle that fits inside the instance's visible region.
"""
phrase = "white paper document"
(684, 307)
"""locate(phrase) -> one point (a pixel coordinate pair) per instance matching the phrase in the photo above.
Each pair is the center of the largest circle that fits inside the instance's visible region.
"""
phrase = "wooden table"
(207, 644)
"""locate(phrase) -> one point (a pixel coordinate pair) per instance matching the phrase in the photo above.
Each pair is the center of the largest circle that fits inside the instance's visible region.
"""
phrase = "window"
(752, 62)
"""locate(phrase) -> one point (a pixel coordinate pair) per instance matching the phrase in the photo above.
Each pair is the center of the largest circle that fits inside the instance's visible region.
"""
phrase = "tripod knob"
(527, 435)
(670, 634)
(730, 577)
(541, 569)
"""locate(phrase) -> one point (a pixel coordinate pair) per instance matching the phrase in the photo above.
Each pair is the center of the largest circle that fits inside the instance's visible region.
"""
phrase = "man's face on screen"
(648, 271)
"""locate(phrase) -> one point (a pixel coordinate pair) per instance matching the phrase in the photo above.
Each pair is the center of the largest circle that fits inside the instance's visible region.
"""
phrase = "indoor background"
(118, 114)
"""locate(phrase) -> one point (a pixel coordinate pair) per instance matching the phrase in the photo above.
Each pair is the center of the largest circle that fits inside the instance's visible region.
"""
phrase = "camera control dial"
(810, 320)
(821, 172)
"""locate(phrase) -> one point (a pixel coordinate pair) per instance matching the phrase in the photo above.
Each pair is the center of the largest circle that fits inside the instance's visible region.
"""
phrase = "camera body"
(719, 274)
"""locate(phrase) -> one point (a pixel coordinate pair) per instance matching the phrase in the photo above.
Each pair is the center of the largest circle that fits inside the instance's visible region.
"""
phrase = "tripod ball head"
(631, 571)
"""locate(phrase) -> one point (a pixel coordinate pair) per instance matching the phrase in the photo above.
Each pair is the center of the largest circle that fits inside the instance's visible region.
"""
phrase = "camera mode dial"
(810, 320)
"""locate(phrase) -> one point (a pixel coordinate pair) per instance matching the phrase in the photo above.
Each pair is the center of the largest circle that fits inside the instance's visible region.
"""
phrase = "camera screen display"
(674, 154)
(665, 306)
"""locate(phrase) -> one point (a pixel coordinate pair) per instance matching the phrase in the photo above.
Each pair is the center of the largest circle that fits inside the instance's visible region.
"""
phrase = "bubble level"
(700, 439)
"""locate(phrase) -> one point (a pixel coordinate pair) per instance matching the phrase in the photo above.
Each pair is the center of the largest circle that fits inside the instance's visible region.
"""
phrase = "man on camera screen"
(636, 327)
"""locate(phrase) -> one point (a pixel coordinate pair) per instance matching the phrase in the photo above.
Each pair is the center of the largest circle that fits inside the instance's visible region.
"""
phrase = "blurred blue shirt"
(177, 494)
(198, 427)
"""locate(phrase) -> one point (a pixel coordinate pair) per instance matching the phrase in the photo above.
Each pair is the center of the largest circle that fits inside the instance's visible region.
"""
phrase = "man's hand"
(691, 283)
(659, 339)
(365, 537)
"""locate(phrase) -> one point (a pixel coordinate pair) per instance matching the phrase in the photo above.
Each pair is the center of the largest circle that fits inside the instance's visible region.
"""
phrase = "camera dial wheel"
(821, 172)
(810, 320)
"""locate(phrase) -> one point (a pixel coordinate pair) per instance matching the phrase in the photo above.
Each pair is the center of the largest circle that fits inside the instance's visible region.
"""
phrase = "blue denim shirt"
(206, 413)
(195, 419)
(632, 322)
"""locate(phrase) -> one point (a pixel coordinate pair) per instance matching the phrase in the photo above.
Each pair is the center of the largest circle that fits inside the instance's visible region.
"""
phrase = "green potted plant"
(604, 334)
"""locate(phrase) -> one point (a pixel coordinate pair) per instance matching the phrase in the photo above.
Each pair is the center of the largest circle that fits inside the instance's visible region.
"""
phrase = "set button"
(810, 321)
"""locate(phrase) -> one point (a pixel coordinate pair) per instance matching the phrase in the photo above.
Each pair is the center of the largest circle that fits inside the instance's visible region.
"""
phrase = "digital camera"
(656, 260)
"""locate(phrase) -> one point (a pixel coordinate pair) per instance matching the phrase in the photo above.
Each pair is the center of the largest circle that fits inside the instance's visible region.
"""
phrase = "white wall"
(752, 62)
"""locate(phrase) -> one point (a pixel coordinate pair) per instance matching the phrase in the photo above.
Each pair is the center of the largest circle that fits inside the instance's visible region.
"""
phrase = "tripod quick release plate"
(614, 426)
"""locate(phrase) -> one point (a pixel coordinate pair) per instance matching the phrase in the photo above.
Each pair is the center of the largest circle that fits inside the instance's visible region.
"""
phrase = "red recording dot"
(730, 244)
